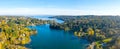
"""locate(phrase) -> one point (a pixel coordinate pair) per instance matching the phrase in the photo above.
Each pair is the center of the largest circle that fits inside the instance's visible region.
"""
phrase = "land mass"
(14, 33)
(101, 31)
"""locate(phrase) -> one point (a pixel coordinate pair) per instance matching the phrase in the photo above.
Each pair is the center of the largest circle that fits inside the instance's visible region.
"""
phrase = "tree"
(75, 33)
(67, 28)
(0, 45)
(3, 22)
(90, 31)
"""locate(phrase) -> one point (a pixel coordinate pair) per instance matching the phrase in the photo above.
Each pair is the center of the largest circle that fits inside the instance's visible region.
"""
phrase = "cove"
(47, 38)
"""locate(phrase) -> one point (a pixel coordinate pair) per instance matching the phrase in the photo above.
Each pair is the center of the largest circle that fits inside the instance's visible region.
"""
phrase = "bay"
(47, 38)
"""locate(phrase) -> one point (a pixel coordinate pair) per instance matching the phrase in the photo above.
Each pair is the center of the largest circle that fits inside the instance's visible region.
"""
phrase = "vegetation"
(101, 31)
(14, 33)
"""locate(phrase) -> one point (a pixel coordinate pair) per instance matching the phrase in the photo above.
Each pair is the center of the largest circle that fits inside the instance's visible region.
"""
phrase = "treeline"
(101, 31)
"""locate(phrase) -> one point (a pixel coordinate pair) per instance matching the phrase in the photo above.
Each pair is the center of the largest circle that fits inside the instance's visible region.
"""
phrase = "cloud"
(55, 11)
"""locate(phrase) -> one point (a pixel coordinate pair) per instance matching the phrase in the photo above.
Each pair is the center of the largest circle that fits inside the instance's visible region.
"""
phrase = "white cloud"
(55, 11)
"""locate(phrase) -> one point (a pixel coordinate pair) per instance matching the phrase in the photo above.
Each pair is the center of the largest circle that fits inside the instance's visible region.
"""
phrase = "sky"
(59, 7)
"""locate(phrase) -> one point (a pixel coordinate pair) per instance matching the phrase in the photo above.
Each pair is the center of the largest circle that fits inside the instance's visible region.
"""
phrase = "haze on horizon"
(59, 7)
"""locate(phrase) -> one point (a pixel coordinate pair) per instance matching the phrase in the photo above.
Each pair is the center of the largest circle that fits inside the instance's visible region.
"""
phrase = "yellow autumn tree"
(90, 31)
(3, 22)
(0, 45)
(75, 33)
(79, 34)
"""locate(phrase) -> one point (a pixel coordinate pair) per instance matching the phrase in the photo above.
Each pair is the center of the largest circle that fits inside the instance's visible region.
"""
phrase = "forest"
(14, 33)
(101, 31)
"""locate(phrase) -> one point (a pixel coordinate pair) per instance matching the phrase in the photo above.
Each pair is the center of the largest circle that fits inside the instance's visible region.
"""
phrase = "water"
(47, 38)
(47, 18)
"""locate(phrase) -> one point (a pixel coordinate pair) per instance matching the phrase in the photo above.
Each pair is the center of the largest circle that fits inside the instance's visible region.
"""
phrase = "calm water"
(47, 18)
(47, 38)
